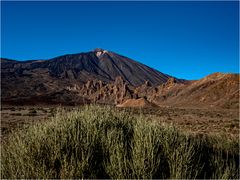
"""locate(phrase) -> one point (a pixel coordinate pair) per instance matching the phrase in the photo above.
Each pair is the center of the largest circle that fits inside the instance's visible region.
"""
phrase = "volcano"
(39, 77)
(97, 64)
(102, 76)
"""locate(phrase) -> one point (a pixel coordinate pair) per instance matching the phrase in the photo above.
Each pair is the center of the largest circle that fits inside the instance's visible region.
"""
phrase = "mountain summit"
(99, 52)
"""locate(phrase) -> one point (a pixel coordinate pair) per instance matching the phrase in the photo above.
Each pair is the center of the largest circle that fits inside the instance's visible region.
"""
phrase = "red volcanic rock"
(140, 103)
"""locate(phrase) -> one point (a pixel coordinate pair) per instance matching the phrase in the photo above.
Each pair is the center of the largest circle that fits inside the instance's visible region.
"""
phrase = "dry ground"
(203, 121)
(13, 117)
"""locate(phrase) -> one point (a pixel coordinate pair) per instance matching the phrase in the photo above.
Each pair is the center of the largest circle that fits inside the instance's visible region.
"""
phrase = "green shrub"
(104, 142)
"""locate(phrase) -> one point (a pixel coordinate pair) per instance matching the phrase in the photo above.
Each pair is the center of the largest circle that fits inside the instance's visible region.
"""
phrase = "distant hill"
(215, 90)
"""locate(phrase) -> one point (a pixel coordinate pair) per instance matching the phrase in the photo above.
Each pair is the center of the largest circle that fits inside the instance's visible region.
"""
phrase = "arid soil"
(13, 117)
(197, 121)
(202, 121)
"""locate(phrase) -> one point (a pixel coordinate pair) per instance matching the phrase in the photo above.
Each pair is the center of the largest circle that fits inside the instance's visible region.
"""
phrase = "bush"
(104, 142)
(32, 111)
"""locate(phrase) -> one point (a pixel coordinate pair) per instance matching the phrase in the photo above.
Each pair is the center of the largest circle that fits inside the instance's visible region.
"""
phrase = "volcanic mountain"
(101, 76)
(38, 77)
(98, 64)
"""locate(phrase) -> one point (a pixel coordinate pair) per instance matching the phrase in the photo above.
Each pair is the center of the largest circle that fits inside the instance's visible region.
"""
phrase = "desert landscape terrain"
(103, 115)
(33, 90)
(119, 90)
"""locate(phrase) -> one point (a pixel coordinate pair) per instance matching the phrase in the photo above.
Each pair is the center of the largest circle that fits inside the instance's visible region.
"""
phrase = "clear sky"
(184, 39)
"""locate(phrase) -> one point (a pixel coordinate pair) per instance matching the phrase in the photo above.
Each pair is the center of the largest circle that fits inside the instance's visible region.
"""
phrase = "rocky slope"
(215, 90)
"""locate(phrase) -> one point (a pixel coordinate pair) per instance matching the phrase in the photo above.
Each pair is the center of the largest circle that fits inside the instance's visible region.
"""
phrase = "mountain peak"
(99, 52)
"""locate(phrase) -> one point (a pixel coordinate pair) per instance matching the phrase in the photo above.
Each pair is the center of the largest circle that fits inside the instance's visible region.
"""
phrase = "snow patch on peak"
(100, 53)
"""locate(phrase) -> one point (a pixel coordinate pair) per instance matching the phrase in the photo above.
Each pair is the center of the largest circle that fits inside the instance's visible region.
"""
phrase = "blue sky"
(184, 39)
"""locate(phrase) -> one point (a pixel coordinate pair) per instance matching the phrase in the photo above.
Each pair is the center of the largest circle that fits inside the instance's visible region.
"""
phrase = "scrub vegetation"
(105, 142)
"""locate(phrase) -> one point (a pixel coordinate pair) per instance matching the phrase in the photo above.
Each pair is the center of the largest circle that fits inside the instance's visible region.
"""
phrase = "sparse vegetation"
(16, 114)
(32, 112)
(103, 142)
